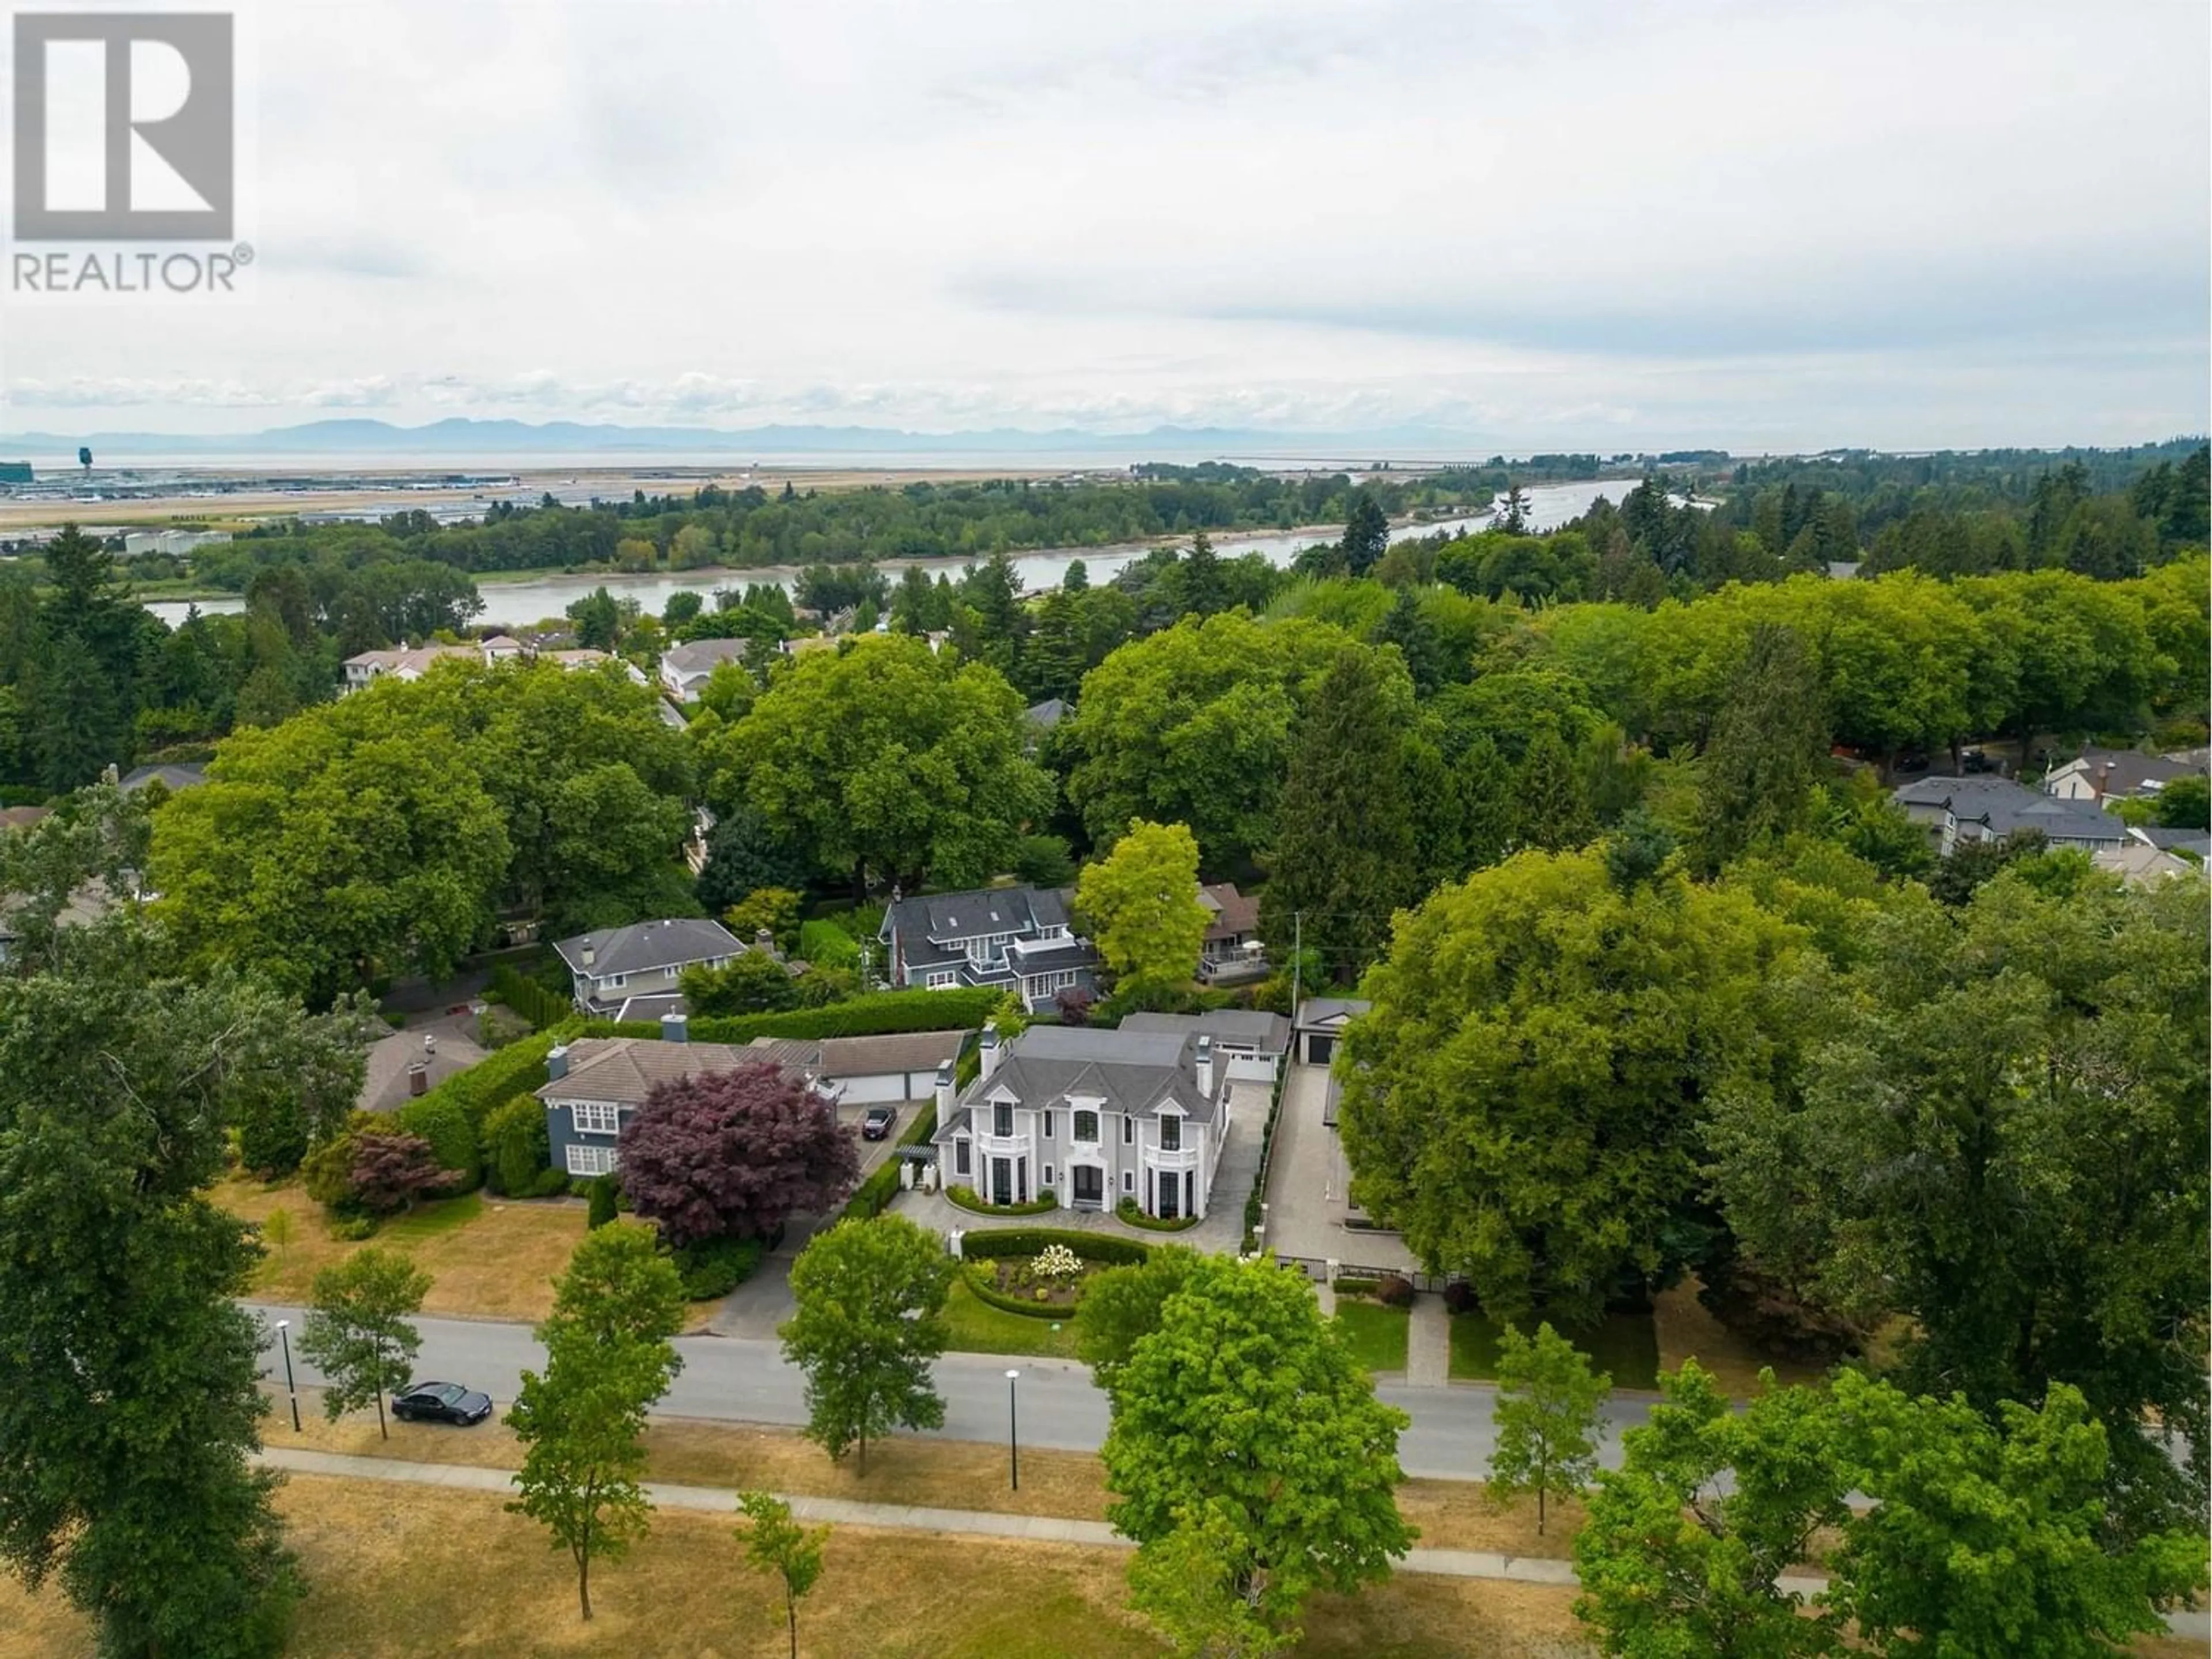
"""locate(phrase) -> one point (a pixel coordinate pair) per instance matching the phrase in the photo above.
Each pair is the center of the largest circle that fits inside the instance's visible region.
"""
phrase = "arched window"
(1086, 1128)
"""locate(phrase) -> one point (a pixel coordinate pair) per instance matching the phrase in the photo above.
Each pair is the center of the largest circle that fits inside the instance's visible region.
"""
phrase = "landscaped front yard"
(1376, 1335)
(976, 1327)
(491, 1257)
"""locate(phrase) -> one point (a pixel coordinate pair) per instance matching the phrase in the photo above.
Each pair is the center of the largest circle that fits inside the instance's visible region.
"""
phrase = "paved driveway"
(1305, 1186)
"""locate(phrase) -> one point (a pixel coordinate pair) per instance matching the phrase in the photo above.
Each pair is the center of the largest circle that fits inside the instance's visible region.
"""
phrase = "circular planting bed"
(1038, 1272)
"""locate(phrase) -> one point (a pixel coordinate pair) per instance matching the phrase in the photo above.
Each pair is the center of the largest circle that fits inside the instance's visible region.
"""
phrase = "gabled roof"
(702, 656)
(383, 1084)
(645, 945)
(2008, 808)
(2199, 841)
(2129, 771)
(1134, 1071)
(1316, 1012)
(2139, 864)
(1047, 714)
(625, 1070)
(182, 775)
(979, 912)
(1230, 913)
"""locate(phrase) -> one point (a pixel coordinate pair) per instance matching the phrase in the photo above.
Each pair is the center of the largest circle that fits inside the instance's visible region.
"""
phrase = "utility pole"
(1297, 955)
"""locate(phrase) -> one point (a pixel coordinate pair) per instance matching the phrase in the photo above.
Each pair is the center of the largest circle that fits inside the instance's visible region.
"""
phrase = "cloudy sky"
(1763, 226)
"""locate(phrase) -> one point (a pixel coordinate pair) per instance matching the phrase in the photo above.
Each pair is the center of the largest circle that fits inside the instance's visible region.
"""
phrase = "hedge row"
(540, 1006)
(884, 1014)
(1127, 1211)
(873, 1196)
(991, 1296)
(1031, 1241)
(452, 1138)
(974, 1203)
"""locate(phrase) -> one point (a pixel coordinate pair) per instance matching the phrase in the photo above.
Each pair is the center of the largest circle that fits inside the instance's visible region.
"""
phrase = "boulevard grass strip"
(909, 1469)
(1375, 1334)
(405, 1571)
(396, 1571)
(487, 1257)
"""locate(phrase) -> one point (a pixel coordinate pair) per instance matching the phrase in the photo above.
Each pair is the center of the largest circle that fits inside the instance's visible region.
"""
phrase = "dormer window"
(1171, 1133)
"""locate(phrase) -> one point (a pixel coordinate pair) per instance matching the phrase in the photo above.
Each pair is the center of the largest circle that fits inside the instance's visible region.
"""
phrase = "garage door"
(1320, 1048)
(887, 1086)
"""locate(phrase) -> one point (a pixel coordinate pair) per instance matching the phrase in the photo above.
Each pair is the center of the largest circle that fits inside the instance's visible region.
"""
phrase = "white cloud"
(1755, 225)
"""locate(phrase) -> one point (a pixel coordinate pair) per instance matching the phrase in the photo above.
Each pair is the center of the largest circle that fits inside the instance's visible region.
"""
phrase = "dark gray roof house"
(614, 965)
(402, 1065)
(1018, 938)
(1093, 1116)
(1991, 808)
(1251, 1031)
(2197, 842)
(2097, 775)
(1319, 1026)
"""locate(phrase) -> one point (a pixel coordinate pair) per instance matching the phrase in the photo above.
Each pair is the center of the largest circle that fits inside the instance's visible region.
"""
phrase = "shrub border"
(1000, 1241)
(1129, 1215)
(965, 1198)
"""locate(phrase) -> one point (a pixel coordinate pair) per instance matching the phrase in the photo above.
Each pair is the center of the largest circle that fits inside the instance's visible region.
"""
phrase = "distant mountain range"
(462, 439)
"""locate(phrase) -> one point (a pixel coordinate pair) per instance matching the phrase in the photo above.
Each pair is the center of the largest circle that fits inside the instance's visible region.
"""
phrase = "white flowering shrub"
(1056, 1262)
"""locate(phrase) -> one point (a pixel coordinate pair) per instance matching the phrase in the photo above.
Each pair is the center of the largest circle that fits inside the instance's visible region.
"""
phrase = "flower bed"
(1127, 1211)
(968, 1199)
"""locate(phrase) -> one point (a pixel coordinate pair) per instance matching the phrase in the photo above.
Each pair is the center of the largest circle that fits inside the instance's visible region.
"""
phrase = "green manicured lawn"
(976, 1327)
(428, 1220)
(1376, 1335)
(1625, 1345)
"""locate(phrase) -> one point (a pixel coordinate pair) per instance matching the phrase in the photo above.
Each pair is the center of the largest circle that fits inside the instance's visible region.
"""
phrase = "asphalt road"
(739, 1380)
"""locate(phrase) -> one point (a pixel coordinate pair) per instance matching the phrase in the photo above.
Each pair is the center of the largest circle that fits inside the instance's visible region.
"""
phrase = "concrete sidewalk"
(974, 1523)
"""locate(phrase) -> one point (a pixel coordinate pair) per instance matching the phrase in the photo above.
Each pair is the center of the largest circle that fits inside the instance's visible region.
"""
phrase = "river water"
(518, 603)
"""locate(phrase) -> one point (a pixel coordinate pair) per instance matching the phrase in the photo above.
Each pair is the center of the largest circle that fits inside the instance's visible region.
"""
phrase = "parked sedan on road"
(442, 1403)
(878, 1123)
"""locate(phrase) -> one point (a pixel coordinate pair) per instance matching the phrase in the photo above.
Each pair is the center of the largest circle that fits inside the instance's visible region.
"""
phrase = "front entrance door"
(1002, 1180)
(1090, 1187)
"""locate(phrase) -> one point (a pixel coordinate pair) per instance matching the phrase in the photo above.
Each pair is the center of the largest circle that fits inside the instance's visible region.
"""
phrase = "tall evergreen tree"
(1768, 741)
(1366, 534)
(1203, 592)
(1554, 811)
(1343, 853)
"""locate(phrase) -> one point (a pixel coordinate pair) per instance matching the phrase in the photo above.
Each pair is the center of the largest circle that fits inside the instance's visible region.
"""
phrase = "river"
(518, 603)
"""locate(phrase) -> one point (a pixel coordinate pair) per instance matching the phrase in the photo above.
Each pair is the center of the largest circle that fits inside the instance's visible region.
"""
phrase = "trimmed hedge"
(536, 1004)
(452, 1137)
(991, 1296)
(873, 1196)
(1104, 1248)
(518, 1151)
(885, 1013)
(967, 1199)
(1127, 1211)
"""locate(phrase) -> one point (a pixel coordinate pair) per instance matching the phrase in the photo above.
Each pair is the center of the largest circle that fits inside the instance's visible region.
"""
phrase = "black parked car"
(442, 1403)
(878, 1123)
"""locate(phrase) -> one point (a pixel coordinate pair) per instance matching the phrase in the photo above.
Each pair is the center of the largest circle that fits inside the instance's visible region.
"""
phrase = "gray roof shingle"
(645, 945)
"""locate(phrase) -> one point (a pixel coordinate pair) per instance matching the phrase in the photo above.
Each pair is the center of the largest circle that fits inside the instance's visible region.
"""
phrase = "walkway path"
(1305, 1187)
(971, 1523)
(1428, 1343)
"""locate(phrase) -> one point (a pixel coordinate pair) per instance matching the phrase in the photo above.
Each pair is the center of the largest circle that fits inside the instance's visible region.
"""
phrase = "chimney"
(2104, 777)
(419, 1079)
(1205, 1068)
(764, 942)
(675, 1028)
(945, 1091)
(990, 1047)
(587, 955)
(556, 1061)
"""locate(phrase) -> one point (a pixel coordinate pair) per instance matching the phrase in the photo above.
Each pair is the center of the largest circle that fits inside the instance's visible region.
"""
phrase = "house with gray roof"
(1239, 1034)
(685, 669)
(595, 1085)
(2189, 843)
(171, 777)
(1015, 939)
(2097, 775)
(407, 1064)
(1991, 809)
(1092, 1117)
(616, 965)
(1319, 1026)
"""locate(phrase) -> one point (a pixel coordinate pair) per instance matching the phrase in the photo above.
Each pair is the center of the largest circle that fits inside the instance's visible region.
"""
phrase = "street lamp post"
(1014, 1435)
(284, 1336)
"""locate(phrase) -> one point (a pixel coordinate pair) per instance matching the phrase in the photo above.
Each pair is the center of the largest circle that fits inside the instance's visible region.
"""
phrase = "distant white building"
(412, 662)
(172, 541)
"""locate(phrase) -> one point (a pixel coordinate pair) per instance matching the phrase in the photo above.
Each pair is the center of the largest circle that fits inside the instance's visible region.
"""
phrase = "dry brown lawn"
(1688, 1331)
(486, 1256)
(400, 1572)
(944, 1474)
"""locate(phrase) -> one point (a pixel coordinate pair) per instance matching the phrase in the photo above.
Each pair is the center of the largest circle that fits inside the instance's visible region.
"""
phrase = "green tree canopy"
(1142, 900)
(884, 760)
(358, 1330)
(1245, 1416)
(871, 1295)
(1524, 1097)
(1547, 1418)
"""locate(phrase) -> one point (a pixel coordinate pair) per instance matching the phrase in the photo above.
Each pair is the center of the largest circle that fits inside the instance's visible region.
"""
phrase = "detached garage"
(1320, 1027)
(869, 1071)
